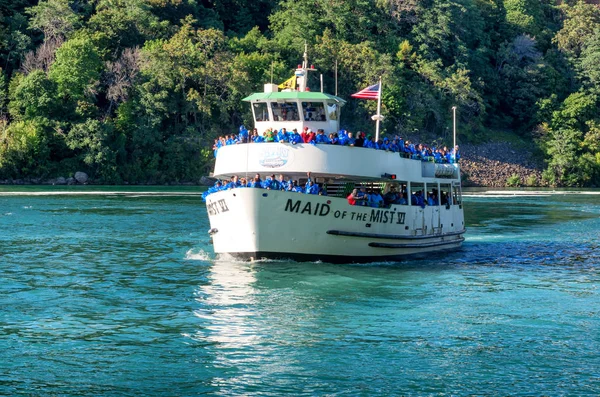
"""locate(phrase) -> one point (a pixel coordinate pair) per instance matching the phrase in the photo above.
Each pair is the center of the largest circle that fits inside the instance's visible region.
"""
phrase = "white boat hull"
(253, 224)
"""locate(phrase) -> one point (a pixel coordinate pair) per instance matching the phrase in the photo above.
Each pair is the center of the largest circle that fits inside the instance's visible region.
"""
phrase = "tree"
(32, 96)
(55, 18)
(580, 23)
(76, 70)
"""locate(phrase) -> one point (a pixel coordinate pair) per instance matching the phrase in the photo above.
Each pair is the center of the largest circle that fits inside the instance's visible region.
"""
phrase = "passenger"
(351, 140)
(360, 139)
(304, 135)
(333, 139)
(434, 197)
(353, 197)
(322, 190)
(296, 138)
(256, 182)
(321, 137)
(281, 182)
(216, 146)
(257, 138)
(343, 137)
(311, 188)
(310, 136)
(376, 201)
(420, 199)
(282, 136)
(394, 147)
(430, 201)
(387, 144)
(401, 199)
(413, 199)
(455, 154)
(362, 197)
(233, 183)
(297, 188)
(243, 135)
(390, 197)
(270, 183)
(269, 135)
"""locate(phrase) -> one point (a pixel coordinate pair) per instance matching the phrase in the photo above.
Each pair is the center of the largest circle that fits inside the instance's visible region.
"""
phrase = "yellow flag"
(289, 83)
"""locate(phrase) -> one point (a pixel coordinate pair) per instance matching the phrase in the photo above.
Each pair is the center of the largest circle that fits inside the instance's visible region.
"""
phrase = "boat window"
(332, 110)
(456, 195)
(261, 111)
(285, 111)
(445, 194)
(313, 111)
(417, 193)
(433, 192)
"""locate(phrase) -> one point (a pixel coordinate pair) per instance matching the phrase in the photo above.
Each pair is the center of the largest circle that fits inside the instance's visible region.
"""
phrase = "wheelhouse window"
(285, 111)
(332, 110)
(261, 111)
(313, 111)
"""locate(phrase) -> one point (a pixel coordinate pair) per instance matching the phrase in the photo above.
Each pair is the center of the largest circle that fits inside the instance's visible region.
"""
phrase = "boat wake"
(197, 255)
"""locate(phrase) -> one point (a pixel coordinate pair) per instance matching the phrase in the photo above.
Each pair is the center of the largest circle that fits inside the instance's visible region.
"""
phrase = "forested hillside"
(135, 90)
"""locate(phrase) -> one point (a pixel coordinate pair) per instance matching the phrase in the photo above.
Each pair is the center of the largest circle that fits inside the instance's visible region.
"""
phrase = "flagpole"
(454, 133)
(378, 112)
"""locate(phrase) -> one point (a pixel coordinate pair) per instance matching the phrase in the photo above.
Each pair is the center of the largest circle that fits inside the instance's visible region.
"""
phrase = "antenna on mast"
(302, 71)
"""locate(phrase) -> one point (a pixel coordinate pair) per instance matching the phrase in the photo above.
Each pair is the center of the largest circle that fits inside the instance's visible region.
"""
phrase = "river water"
(117, 293)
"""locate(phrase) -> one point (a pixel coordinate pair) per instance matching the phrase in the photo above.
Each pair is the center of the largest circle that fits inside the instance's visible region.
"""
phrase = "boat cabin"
(295, 109)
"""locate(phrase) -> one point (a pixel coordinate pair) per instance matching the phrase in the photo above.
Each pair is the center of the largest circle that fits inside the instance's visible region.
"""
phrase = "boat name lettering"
(320, 209)
(274, 156)
(379, 216)
(217, 207)
(308, 208)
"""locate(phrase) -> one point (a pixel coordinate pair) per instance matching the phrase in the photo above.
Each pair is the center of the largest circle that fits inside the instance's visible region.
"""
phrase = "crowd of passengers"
(373, 197)
(344, 138)
(359, 196)
(269, 183)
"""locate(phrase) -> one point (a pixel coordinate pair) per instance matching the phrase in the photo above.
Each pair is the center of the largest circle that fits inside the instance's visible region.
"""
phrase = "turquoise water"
(118, 294)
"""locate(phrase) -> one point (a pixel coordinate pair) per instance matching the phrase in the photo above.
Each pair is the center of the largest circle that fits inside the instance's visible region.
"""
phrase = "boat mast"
(302, 71)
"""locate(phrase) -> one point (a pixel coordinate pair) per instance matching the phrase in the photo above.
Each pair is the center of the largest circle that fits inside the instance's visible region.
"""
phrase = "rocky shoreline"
(492, 164)
(485, 165)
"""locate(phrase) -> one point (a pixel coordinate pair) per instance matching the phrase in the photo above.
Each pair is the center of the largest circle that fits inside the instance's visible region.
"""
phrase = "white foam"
(197, 255)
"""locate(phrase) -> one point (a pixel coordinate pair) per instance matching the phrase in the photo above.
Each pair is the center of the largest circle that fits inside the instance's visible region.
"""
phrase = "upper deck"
(329, 161)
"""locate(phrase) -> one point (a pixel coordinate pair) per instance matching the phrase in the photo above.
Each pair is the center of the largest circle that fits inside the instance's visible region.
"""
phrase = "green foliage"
(32, 96)
(23, 149)
(513, 181)
(135, 90)
(55, 18)
(76, 70)
(531, 180)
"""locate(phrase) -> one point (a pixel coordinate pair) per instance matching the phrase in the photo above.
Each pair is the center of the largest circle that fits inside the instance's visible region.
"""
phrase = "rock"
(60, 181)
(71, 181)
(81, 177)
(208, 181)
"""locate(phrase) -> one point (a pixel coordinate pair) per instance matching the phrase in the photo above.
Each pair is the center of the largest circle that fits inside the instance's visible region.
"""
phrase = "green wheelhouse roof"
(294, 95)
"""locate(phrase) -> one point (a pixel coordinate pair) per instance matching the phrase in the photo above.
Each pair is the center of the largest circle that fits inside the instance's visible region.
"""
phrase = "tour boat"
(255, 223)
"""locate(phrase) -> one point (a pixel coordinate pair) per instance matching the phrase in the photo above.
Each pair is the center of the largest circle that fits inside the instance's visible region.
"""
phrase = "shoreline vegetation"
(135, 91)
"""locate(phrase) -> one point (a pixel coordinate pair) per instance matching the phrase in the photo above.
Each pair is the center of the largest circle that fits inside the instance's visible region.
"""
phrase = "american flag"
(371, 92)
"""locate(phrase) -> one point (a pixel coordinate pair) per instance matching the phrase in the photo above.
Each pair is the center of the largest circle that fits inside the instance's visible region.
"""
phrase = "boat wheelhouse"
(256, 223)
